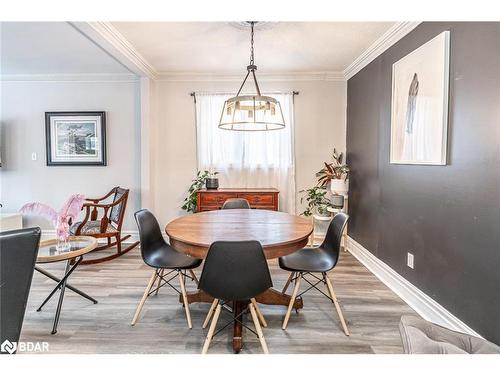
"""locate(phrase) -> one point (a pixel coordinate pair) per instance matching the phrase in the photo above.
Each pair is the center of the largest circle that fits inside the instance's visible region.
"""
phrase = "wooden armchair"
(108, 225)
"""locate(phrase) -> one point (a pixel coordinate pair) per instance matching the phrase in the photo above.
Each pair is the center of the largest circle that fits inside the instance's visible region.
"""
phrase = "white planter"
(340, 187)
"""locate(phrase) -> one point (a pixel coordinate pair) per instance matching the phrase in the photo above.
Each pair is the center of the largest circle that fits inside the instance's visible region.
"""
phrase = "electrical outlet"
(410, 260)
(33, 156)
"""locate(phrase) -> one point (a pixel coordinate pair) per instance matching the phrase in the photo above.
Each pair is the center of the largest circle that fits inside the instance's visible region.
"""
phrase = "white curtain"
(247, 159)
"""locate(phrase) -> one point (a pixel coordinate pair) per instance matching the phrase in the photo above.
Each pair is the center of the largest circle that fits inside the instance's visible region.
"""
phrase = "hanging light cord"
(251, 68)
(251, 44)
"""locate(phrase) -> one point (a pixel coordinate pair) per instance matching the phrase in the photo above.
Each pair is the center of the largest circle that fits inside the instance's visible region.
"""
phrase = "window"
(247, 159)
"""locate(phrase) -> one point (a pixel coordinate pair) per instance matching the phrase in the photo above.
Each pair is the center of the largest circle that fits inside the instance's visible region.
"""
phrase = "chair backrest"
(149, 234)
(333, 238)
(233, 203)
(118, 211)
(18, 252)
(235, 270)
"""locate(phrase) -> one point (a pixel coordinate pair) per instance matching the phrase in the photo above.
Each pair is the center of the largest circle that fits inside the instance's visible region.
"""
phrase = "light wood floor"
(371, 309)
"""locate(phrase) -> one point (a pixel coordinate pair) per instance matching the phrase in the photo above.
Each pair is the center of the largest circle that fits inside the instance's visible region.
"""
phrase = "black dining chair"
(18, 252)
(316, 260)
(159, 255)
(235, 203)
(235, 271)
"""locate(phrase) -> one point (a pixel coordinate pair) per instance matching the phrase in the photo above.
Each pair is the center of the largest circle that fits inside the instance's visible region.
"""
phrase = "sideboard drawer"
(258, 199)
(265, 198)
(216, 199)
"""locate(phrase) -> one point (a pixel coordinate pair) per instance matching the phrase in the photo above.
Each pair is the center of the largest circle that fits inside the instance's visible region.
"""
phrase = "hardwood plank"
(371, 310)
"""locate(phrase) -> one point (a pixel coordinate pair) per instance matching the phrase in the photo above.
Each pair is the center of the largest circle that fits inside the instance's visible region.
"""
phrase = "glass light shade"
(251, 113)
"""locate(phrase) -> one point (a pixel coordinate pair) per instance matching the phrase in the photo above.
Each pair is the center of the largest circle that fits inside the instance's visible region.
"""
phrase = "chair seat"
(308, 260)
(91, 227)
(166, 256)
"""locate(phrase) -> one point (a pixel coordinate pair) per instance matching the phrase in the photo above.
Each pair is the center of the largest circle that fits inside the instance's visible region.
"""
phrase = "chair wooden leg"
(285, 288)
(159, 282)
(258, 328)
(194, 277)
(185, 300)
(292, 300)
(336, 303)
(118, 244)
(210, 312)
(144, 296)
(259, 313)
(211, 330)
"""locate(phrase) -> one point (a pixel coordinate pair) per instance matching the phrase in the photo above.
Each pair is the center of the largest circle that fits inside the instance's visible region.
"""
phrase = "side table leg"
(61, 296)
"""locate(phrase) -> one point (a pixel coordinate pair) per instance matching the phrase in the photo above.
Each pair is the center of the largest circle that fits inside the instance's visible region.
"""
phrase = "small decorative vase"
(212, 183)
(337, 201)
(339, 186)
(63, 244)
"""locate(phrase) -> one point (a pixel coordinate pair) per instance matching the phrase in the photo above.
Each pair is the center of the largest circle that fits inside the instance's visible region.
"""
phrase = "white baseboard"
(424, 305)
(134, 235)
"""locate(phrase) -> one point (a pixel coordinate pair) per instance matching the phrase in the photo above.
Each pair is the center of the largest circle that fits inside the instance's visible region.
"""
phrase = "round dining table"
(279, 233)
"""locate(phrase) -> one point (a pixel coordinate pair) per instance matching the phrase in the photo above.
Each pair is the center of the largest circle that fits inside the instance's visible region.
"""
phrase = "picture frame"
(419, 106)
(75, 138)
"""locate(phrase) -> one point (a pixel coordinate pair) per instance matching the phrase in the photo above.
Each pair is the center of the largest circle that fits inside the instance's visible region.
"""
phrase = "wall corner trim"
(238, 76)
(76, 77)
(389, 38)
(424, 305)
(105, 35)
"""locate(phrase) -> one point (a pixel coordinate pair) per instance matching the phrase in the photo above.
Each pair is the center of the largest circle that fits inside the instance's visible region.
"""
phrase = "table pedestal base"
(269, 297)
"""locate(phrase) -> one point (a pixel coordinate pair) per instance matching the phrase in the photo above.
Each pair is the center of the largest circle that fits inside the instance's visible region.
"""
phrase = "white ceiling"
(51, 48)
(188, 47)
(221, 47)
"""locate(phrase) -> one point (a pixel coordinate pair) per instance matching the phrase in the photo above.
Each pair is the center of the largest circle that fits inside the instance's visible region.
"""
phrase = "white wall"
(22, 117)
(320, 110)
(170, 153)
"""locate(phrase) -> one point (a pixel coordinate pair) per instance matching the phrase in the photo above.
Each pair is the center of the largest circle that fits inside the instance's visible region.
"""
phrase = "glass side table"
(47, 253)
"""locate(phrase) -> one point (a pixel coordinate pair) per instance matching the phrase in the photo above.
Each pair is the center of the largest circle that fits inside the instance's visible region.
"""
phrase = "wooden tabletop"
(278, 232)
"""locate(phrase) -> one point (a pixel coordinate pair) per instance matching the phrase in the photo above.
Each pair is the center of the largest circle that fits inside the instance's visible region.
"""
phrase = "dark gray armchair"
(422, 337)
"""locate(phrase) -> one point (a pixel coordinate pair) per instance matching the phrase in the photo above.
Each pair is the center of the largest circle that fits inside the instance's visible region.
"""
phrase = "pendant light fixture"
(251, 112)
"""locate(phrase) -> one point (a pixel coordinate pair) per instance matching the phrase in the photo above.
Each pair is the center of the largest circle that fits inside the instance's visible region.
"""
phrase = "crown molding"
(389, 38)
(77, 77)
(237, 77)
(106, 36)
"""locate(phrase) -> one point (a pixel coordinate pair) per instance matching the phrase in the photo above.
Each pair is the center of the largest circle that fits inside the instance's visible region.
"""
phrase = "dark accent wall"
(447, 216)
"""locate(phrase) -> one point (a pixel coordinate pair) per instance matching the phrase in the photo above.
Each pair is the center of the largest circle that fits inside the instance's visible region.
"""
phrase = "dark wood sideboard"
(266, 199)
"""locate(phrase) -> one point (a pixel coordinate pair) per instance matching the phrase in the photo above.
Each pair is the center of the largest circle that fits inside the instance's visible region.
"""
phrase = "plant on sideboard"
(317, 202)
(336, 173)
(190, 202)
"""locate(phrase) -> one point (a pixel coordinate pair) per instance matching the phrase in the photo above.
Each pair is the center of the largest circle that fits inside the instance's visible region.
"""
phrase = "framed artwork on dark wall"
(419, 118)
(75, 138)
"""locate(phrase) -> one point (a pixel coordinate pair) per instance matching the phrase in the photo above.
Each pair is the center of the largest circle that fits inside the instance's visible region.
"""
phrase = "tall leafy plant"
(336, 169)
(190, 202)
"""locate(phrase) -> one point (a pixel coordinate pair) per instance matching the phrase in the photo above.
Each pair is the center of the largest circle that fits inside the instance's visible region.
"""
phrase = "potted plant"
(190, 202)
(336, 173)
(317, 202)
(212, 182)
